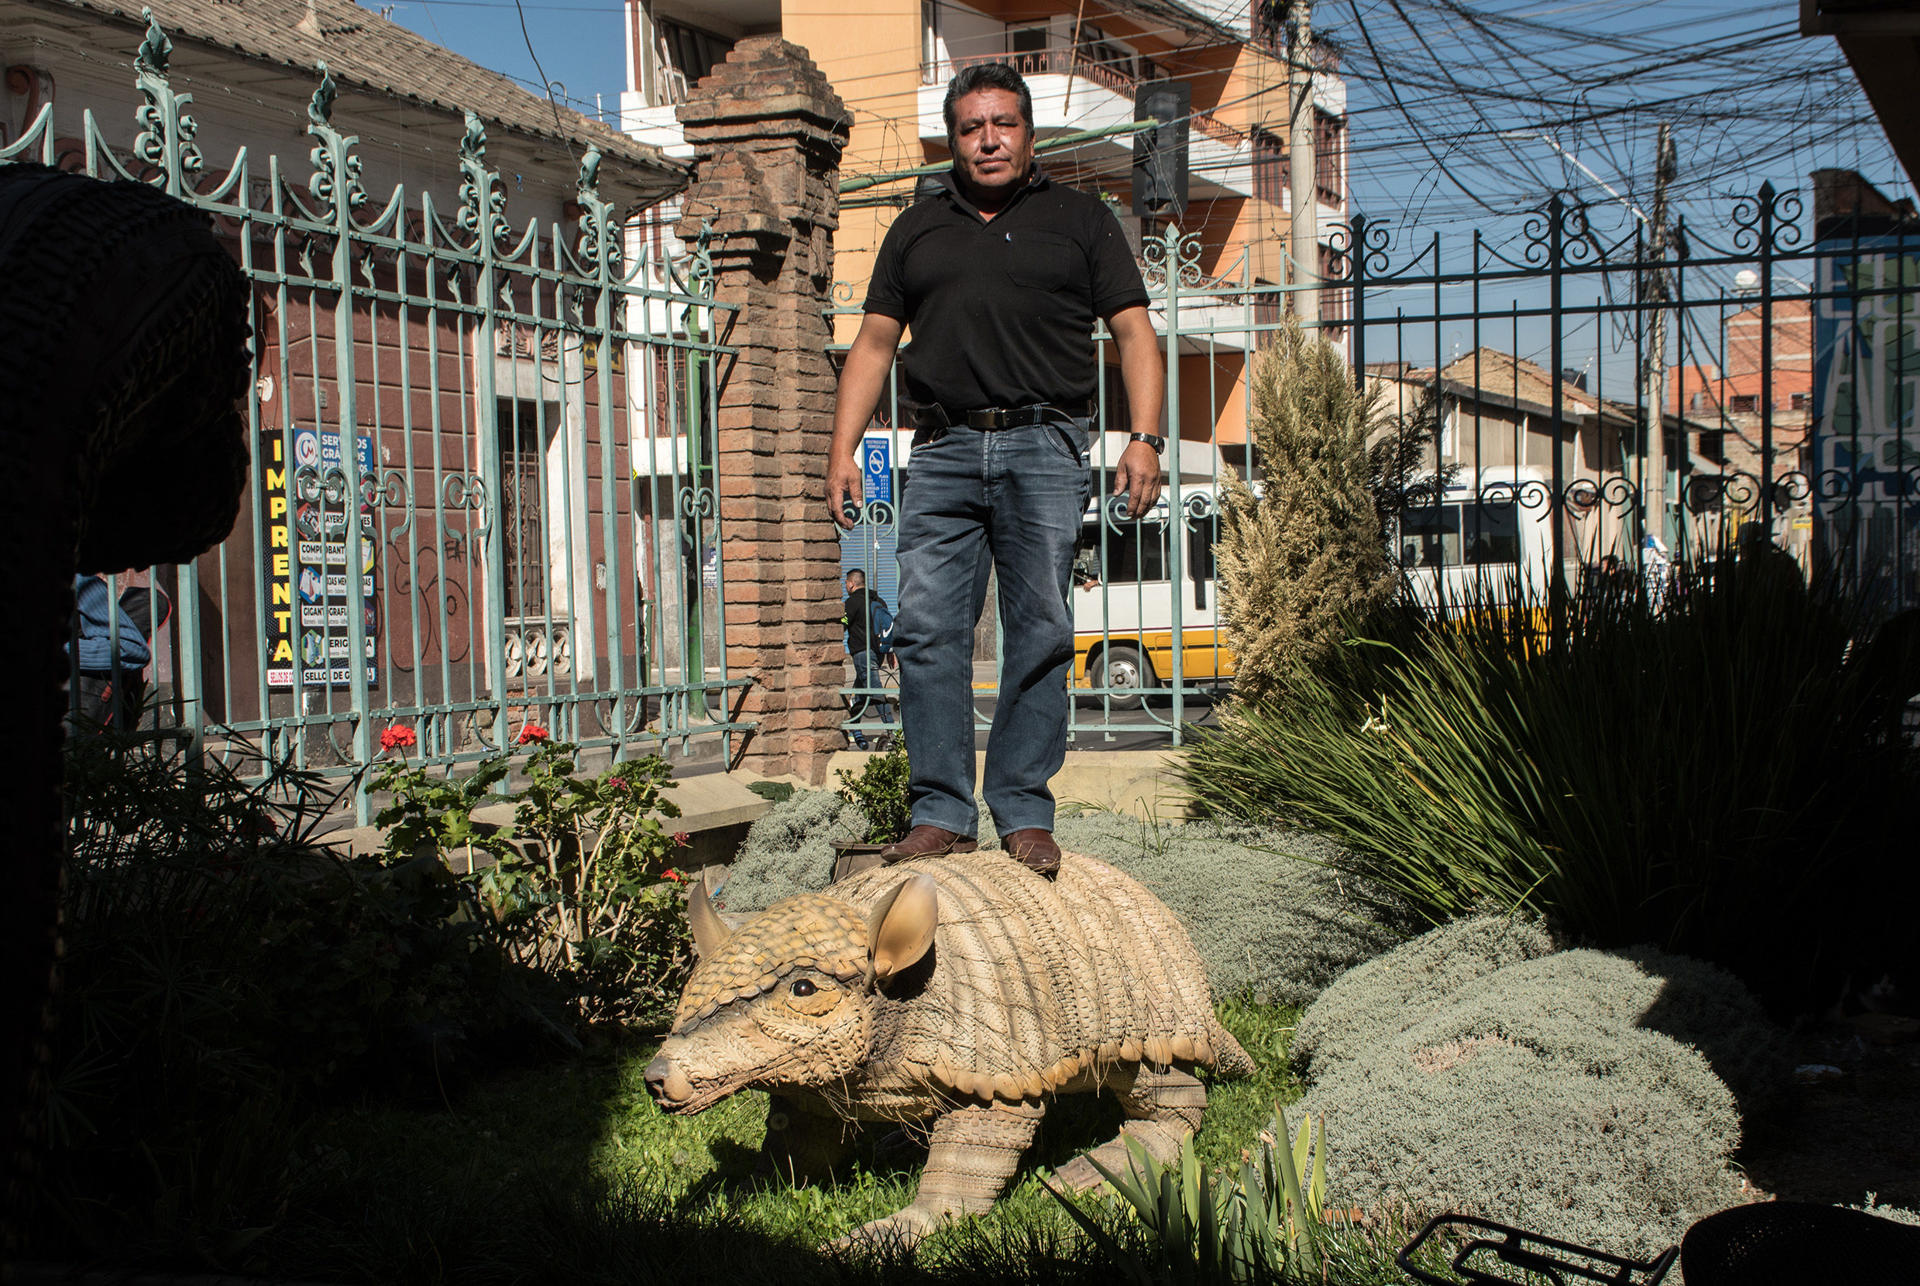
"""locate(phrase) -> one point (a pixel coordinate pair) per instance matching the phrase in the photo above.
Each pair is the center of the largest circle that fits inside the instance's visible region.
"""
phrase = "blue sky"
(1461, 110)
(1463, 114)
(580, 44)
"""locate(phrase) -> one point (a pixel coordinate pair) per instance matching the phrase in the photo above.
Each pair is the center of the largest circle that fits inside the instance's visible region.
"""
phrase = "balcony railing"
(1063, 61)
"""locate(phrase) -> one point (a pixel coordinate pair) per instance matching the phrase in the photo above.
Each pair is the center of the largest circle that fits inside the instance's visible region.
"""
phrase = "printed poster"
(308, 596)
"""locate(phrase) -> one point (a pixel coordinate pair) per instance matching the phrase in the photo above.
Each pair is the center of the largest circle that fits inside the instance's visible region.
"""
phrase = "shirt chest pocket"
(1043, 260)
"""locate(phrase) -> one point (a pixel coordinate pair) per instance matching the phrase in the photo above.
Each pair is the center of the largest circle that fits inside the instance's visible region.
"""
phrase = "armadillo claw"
(900, 1230)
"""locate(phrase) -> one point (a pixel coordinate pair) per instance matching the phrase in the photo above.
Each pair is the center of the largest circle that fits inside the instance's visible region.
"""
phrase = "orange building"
(1733, 396)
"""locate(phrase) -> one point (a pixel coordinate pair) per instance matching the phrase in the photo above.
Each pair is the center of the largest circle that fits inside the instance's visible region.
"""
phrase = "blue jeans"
(1009, 500)
(866, 667)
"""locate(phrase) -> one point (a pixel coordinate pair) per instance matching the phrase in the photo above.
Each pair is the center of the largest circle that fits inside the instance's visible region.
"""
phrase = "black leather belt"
(990, 418)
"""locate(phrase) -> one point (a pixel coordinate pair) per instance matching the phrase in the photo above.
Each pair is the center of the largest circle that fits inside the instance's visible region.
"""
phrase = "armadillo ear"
(709, 934)
(901, 928)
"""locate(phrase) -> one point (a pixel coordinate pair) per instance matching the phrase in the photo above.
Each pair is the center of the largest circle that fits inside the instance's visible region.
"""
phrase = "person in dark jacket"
(114, 648)
(869, 642)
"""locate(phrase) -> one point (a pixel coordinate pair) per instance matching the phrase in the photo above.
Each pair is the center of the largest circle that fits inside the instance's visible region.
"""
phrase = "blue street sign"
(876, 467)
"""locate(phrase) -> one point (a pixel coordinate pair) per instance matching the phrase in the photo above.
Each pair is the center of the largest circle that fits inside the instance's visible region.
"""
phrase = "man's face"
(992, 146)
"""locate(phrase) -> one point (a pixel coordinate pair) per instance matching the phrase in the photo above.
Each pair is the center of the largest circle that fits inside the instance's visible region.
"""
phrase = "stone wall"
(767, 131)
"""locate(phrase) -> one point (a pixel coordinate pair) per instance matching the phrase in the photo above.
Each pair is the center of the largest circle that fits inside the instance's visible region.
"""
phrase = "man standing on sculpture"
(1000, 274)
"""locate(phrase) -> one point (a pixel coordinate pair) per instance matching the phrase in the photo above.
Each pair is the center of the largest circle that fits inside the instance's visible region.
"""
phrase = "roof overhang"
(1881, 39)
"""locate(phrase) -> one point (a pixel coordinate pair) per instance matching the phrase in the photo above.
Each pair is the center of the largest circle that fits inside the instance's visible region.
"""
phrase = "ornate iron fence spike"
(482, 200)
(336, 170)
(155, 54)
(320, 106)
(165, 140)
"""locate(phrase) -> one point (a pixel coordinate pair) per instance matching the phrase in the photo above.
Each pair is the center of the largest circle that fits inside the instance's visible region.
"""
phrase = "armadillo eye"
(801, 987)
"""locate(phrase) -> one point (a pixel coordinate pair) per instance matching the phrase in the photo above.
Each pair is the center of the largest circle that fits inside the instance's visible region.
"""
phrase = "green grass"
(569, 1172)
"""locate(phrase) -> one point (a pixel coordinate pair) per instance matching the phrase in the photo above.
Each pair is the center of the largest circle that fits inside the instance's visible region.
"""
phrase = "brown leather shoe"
(927, 841)
(1034, 849)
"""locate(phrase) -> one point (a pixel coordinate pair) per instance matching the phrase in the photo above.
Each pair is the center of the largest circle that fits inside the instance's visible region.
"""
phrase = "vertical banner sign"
(307, 593)
(876, 470)
(1866, 388)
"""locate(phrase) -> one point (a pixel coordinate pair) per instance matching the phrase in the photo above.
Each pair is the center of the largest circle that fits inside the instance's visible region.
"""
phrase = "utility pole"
(1303, 240)
(1653, 297)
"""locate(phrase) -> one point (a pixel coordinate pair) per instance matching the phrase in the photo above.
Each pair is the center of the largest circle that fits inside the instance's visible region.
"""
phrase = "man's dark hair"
(856, 573)
(988, 76)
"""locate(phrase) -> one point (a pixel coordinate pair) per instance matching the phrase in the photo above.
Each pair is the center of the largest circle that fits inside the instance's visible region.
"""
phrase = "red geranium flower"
(618, 783)
(398, 736)
(682, 839)
(533, 733)
(675, 876)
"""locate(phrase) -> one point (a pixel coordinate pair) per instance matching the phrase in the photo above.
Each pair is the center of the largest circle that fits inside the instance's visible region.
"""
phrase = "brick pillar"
(767, 131)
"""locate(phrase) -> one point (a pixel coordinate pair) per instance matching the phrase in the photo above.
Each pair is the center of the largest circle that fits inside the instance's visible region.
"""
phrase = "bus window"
(1453, 535)
(1201, 537)
(1430, 535)
(1137, 552)
(1493, 534)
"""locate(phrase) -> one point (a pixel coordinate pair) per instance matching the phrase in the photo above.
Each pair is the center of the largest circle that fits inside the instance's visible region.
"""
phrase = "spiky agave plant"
(1209, 1228)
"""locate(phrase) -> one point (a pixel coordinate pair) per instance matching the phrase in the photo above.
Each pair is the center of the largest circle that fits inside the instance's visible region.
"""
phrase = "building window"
(521, 452)
(687, 55)
(1744, 404)
(1329, 156)
(1329, 160)
(1800, 401)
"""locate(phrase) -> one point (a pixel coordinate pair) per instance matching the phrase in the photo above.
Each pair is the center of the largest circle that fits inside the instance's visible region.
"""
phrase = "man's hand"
(1138, 475)
(845, 488)
(861, 380)
(1138, 472)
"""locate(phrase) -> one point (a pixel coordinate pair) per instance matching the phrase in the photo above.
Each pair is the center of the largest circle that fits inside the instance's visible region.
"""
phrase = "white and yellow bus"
(1485, 544)
(1123, 598)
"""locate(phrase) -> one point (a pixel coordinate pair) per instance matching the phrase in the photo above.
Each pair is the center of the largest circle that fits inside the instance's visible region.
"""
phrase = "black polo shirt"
(1002, 310)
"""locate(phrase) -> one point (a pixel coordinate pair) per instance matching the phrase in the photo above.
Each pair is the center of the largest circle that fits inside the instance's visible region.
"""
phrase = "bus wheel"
(1122, 668)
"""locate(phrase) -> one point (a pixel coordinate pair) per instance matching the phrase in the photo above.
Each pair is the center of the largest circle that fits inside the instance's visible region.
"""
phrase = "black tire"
(1123, 668)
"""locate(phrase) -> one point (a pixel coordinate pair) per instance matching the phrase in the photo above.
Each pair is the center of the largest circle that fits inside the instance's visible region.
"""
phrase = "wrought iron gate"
(471, 492)
(1635, 399)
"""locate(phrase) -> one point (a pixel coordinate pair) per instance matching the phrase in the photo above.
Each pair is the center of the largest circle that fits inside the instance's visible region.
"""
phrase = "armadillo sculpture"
(962, 992)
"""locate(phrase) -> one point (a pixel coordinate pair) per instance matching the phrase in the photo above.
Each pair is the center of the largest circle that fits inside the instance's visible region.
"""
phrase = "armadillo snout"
(667, 1083)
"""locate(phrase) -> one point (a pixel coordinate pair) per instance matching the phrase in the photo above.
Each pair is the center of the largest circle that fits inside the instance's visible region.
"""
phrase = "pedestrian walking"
(869, 632)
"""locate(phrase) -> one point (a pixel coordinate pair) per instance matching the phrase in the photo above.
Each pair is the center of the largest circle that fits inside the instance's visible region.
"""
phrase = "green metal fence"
(1601, 402)
(483, 496)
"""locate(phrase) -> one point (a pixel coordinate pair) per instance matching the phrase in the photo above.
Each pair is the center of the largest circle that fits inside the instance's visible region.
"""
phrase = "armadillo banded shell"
(809, 931)
(1034, 980)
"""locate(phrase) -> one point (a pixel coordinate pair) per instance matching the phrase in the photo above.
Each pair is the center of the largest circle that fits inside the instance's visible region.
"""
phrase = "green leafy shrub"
(1382, 996)
(1718, 777)
(1703, 1005)
(879, 791)
(581, 886)
(222, 970)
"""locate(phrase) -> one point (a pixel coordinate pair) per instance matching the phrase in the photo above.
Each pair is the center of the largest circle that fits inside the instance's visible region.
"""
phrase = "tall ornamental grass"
(1721, 775)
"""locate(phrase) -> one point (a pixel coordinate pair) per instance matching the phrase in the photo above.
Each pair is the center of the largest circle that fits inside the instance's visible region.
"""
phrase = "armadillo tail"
(1229, 1060)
